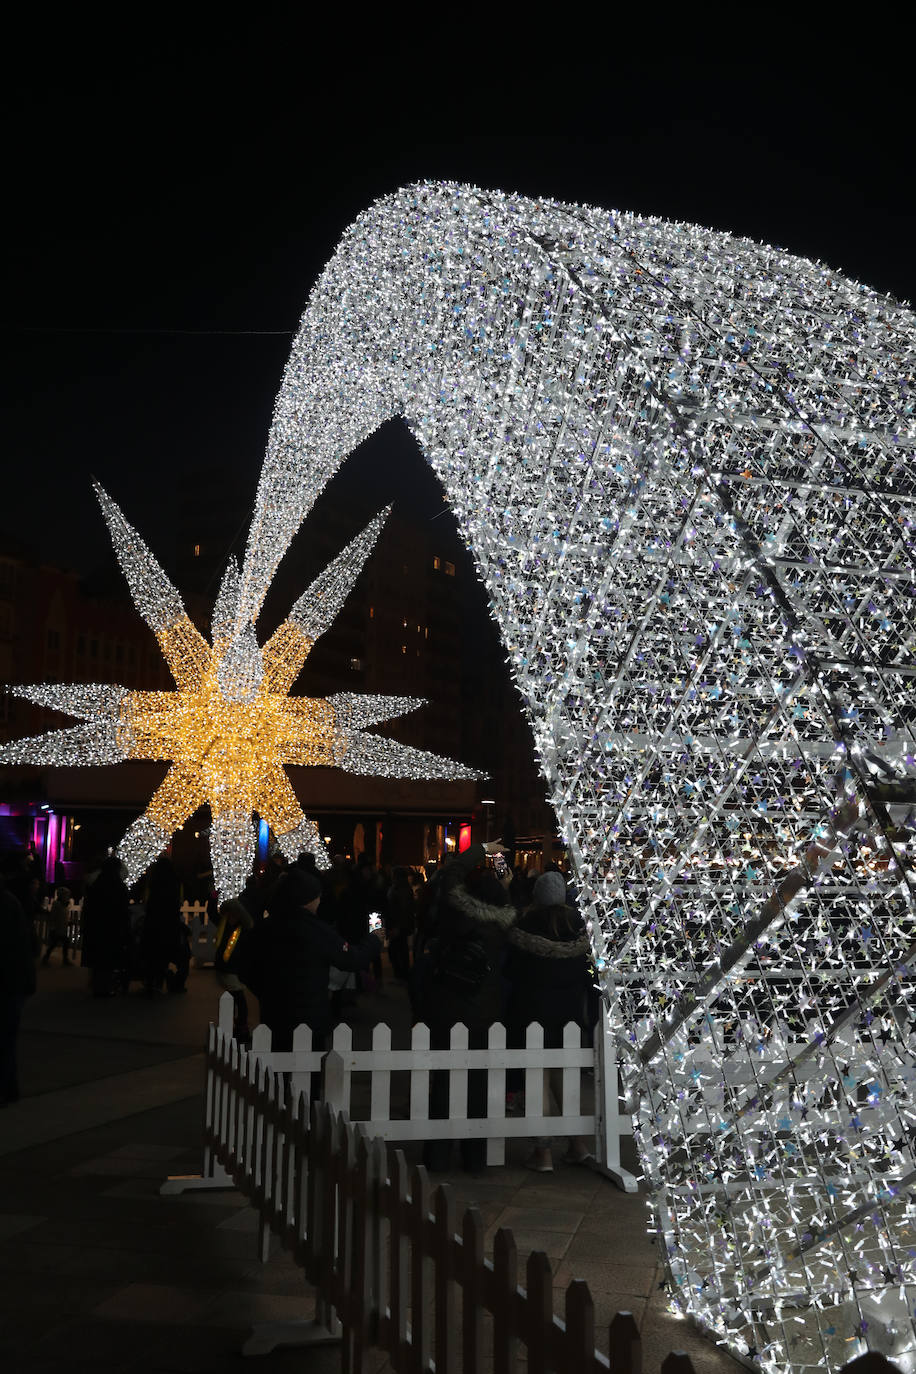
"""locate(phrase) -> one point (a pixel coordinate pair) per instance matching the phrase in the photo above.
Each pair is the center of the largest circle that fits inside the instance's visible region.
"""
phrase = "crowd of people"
(475, 944)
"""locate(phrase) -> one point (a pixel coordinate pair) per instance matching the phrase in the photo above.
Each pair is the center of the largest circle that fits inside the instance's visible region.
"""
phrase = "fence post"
(505, 1286)
(380, 1082)
(419, 1078)
(332, 1081)
(625, 1344)
(419, 1271)
(471, 1300)
(496, 1094)
(458, 1072)
(396, 1344)
(610, 1122)
(446, 1305)
(534, 1075)
(213, 1175)
(539, 1312)
(579, 1337)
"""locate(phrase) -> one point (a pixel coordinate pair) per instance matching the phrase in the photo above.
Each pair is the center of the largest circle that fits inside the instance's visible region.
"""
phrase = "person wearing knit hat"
(549, 890)
(291, 955)
(548, 970)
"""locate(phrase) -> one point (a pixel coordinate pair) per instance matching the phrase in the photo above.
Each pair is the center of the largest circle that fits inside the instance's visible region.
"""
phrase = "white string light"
(683, 463)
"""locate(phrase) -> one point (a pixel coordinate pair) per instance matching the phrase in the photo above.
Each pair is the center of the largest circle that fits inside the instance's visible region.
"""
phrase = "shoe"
(538, 1165)
(570, 1158)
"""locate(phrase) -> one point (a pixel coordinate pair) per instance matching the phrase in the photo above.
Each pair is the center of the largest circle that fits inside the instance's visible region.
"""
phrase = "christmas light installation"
(231, 728)
(683, 464)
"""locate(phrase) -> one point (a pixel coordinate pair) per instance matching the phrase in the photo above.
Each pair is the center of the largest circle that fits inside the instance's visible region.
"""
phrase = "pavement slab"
(100, 1273)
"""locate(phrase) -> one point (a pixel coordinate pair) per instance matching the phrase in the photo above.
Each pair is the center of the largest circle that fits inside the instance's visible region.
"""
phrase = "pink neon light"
(53, 845)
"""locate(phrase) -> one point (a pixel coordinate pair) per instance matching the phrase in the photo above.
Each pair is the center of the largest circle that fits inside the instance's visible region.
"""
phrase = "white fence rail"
(194, 915)
(392, 1265)
(386, 1110)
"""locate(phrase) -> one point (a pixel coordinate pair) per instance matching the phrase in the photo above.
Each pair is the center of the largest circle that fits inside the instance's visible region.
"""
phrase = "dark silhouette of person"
(19, 948)
(290, 953)
(159, 938)
(106, 928)
(457, 978)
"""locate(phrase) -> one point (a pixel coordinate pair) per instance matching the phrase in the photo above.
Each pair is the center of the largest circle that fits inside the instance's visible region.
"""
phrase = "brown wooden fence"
(392, 1264)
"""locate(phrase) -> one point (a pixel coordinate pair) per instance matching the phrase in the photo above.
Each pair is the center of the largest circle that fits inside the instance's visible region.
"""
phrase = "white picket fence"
(396, 1115)
(194, 915)
(377, 1111)
(393, 1266)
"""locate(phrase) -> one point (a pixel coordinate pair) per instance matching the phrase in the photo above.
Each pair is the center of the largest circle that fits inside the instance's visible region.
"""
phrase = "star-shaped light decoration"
(231, 727)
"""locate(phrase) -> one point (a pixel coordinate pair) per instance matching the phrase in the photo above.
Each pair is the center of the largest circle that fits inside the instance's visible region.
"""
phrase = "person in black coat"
(457, 979)
(19, 948)
(159, 940)
(291, 953)
(106, 927)
(547, 969)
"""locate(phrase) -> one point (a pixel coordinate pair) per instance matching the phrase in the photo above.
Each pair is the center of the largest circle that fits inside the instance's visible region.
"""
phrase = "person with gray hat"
(548, 970)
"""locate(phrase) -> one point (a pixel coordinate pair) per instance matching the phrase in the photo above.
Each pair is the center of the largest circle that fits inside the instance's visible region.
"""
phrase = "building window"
(404, 623)
(403, 648)
(450, 570)
(437, 563)
(356, 664)
(371, 612)
(196, 550)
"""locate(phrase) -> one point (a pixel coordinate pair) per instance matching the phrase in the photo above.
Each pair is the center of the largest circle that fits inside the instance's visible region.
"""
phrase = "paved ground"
(98, 1272)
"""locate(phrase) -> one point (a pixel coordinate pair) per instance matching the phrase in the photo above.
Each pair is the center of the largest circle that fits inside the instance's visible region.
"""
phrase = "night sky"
(176, 195)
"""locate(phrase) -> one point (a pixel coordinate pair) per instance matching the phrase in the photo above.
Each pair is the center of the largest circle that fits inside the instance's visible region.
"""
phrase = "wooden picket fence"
(393, 1266)
(379, 1107)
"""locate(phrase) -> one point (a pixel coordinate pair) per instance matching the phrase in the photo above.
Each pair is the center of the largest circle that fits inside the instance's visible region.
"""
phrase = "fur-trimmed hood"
(481, 912)
(545, 948)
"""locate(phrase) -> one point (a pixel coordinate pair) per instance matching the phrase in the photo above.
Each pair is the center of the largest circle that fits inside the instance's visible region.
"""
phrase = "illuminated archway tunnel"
(683, 464)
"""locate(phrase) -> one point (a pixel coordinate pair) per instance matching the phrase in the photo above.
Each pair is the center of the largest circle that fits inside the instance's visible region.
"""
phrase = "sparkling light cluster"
(230, 728)
(683, 463)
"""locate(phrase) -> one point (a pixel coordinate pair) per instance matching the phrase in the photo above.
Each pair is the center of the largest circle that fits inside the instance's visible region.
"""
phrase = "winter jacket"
(106, 919)
(547, 969)
(287, 968)
(19, 946)
(461, 916)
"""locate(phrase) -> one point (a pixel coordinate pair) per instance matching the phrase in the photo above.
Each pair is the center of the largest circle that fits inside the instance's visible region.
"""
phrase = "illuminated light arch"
(683, 464)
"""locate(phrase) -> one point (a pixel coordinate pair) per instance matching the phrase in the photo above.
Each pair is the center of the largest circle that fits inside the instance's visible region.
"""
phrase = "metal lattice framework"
(683, 464)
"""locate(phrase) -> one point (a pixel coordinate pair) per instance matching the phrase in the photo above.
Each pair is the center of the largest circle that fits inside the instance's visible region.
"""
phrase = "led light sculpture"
(683, 464)
(231, 726)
